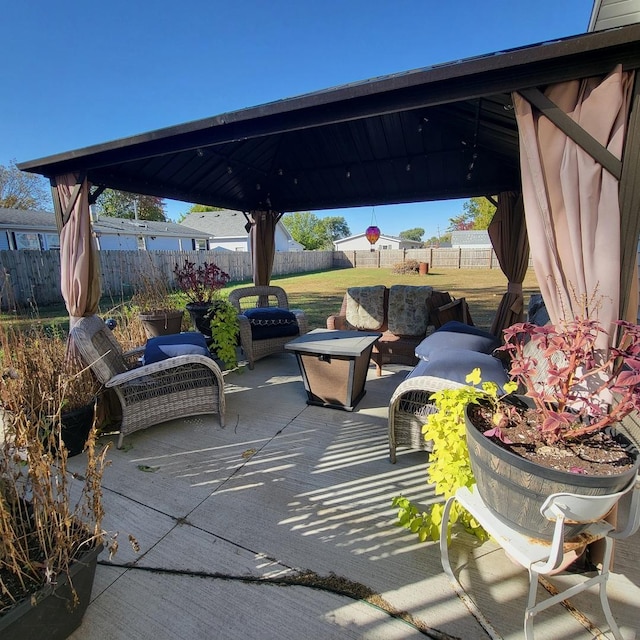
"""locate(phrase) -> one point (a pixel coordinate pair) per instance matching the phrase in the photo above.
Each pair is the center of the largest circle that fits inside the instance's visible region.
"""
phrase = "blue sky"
(81, 73)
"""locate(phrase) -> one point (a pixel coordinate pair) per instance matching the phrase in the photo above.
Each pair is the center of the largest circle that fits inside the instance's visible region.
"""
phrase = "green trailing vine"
(449, 467)
(224, 331)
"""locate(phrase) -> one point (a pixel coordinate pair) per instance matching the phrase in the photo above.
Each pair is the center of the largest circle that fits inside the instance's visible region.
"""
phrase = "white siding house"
(27, 229)
(226, 230)
(359, 242)
(607, 14)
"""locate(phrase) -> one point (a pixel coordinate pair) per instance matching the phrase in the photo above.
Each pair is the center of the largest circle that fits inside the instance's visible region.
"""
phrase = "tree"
(412, 234)
(336, 227)
(121, 204)
(477, 214)
(481, 210)
(21, 190)
(315, 233)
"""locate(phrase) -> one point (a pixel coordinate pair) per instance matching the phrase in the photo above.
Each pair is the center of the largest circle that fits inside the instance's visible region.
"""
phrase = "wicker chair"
(409, 407)
(177, 387)
(263, 297)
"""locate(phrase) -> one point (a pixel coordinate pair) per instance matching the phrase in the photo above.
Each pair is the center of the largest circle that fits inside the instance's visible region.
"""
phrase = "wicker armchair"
(264, 297)
(409, 407)
(177, 387)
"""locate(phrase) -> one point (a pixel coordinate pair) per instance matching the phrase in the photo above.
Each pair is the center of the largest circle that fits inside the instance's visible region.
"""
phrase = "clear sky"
(77, 73)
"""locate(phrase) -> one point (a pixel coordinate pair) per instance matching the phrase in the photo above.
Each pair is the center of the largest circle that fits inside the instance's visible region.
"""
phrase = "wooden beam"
(573, 130)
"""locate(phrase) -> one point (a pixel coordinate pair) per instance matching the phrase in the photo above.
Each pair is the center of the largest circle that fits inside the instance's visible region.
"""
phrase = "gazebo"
(554, 126)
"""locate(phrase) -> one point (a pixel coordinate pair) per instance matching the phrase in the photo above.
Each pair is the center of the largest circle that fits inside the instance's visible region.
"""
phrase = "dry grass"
(43, 528)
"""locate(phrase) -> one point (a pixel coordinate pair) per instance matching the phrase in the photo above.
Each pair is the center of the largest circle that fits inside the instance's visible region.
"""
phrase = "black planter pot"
(75, 428)
(514, 488)
(49, 613)
(197, 312)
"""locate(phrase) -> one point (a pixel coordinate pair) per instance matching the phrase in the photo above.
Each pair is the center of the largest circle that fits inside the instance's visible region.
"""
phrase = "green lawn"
(320, 294)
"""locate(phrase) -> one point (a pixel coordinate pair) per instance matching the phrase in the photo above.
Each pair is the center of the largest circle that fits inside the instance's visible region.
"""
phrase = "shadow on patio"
(280, 525)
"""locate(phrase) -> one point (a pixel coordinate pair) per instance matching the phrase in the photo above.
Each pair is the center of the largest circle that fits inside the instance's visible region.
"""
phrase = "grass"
(320, 293)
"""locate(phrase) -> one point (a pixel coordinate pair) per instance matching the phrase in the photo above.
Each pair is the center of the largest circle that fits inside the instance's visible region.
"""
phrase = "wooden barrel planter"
(514, 488)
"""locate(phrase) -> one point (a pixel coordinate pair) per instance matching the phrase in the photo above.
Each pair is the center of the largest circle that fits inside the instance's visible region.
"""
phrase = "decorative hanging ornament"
(372, 233)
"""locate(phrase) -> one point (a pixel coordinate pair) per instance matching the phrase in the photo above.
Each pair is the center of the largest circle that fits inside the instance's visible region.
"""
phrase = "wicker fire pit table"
(334, 365)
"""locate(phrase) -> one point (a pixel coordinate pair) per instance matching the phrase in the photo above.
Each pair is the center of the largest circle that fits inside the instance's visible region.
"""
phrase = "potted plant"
(155, 310)
(221, 320)
(200, 284)
(560, 436)
(554, 421)
(50, 519)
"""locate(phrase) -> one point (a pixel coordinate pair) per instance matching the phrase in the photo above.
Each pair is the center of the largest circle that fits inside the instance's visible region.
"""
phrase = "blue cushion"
(457, 364)
(457, 335)
(177, 344)
(271, 322)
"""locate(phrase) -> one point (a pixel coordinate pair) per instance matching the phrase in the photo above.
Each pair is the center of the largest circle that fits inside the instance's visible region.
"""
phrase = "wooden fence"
(33, 277)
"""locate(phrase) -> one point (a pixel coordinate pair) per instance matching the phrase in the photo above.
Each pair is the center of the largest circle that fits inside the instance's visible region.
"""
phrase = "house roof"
(218, 224)
(440, 132)
(45, 220)
(473, 236)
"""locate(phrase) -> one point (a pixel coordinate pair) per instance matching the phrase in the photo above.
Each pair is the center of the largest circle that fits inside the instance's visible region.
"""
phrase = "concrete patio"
(280, 526)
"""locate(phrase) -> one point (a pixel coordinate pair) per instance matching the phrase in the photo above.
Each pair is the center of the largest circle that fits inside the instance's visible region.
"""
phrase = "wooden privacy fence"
(33, 277)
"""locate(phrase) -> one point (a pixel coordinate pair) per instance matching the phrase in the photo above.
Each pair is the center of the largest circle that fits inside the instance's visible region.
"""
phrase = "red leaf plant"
(576, 387)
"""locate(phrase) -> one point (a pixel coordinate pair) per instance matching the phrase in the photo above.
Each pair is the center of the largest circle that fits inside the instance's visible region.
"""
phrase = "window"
(27, 240)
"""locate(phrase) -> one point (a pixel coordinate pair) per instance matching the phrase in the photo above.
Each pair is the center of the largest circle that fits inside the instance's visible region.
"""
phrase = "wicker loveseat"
(399, 312)
(176, 387)
(266, 322)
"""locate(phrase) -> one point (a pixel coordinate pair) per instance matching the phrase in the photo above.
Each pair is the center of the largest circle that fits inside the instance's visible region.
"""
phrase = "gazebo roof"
(441, 132)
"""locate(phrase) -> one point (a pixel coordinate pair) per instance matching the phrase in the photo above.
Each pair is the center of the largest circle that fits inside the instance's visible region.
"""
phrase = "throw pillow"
(457, 364)
(271, 322)
(457, 335)
(365, 307)
(408, 314)
(177, 344)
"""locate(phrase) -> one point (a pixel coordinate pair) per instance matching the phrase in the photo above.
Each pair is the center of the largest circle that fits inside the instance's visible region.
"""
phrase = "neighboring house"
(359, 242)
(226, 230)
(27, 229)
(607, 14)
(471, 239)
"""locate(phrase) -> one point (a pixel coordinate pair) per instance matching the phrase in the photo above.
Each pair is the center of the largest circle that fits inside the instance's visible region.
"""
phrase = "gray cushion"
(457, 364)
(471, 338)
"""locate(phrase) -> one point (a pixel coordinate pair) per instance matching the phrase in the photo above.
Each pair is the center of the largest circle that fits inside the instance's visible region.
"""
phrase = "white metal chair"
(542, 558)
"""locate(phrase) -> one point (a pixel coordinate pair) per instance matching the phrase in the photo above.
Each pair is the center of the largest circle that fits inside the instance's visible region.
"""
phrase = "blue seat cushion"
(457, 335)
(457, 364)
(271, 322)
(177, 344)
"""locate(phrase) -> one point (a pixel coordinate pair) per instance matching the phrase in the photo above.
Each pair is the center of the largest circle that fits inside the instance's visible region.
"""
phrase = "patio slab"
(284, 489)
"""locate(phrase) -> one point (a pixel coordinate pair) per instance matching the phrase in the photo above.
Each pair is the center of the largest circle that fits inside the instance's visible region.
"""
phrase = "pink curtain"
(263, 244)
(508, 233)
(79, 263)
(571, 202)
